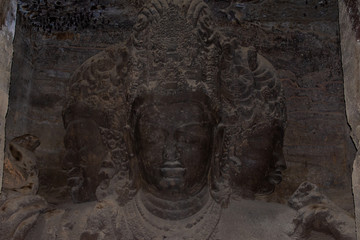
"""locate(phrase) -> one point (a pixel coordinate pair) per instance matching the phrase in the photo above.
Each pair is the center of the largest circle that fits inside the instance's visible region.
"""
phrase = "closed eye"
(155, 136)
(187, 138)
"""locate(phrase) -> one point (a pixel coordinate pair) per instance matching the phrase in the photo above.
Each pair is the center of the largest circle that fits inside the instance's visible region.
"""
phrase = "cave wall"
(300, 38)
(7, 28)
(350, 46)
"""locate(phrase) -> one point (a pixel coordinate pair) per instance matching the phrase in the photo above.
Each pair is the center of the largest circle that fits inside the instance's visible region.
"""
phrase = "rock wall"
(350, 46)
(7, 28)
(300, 38)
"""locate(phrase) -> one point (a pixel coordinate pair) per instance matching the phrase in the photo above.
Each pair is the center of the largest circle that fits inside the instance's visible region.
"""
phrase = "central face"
(174, 143)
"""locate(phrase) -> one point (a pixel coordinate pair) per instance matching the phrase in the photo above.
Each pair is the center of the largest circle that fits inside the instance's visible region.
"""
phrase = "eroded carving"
(20, 207)
(164, 129)
(20, 171)
(317, 213)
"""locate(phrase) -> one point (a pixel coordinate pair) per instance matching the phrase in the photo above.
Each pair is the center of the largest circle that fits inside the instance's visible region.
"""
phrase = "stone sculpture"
(20, 206)
(20, 173)
(174, 51)
(164, 130)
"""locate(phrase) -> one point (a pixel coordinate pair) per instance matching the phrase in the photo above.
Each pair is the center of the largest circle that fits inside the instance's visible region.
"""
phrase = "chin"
(172, 184)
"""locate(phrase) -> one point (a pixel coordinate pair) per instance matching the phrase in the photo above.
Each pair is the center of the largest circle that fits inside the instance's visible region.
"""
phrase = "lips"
(172, 169)
(173, 172)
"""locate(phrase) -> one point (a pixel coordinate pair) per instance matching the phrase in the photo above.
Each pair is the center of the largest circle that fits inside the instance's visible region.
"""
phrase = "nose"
(171, 154)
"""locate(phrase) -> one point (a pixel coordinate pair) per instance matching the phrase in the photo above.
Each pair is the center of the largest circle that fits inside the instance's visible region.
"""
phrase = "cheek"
(258, 162)
(150, 158)
(195, 161)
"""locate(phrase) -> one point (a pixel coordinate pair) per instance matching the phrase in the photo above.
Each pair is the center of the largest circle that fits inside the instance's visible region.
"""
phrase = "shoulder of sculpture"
(258, 220)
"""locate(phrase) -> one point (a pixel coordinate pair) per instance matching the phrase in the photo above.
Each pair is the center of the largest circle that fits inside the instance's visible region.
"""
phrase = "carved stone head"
(178, 107)
(173, 141)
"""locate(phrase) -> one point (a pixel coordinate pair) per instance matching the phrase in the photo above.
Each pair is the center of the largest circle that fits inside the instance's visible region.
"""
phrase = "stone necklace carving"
(146, 226)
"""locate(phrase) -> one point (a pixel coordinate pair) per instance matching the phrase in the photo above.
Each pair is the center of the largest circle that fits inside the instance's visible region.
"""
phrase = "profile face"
(173, 145)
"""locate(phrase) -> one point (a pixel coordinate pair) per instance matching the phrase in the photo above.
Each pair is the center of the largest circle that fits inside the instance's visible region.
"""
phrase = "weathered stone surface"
(18, 214)
(3, 11)
(300, 38)
(317, 210)
(20, 207)
(20, 170)
(350, 37)
(7, 28)
(163, 129)
(301, 42)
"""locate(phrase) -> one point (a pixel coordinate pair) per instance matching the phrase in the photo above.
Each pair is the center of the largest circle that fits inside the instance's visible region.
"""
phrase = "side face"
(257, 163)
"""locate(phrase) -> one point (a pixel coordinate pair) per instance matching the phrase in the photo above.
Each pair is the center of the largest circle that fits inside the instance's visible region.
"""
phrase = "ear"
(219, 185)
(275, 176)
(129, 140)
(217, 151)
(278, 153)
(134, 171)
